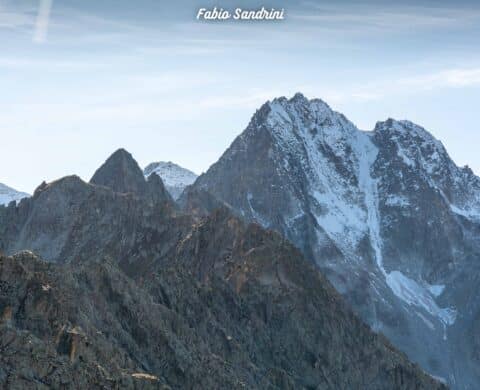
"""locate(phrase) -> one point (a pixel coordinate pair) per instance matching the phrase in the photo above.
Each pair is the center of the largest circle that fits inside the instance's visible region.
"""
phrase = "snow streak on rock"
(8, 195)
(421, 296)
(348, 210)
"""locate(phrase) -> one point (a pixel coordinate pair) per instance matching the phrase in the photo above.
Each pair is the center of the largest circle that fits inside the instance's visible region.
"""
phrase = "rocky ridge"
(123, 290)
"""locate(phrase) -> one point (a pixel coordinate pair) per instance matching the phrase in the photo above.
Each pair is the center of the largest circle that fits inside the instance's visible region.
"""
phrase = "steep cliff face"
(428, 200)
(136, 295)
(386, 214)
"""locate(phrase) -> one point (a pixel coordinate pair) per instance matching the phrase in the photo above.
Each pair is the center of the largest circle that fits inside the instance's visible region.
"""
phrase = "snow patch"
(414, 294)
(436, 289)
(426, 321)
(403, 155)
(439, 378)
(256, 215)
(339, 218)
(469, 214)
(8, 194)
(397, 201)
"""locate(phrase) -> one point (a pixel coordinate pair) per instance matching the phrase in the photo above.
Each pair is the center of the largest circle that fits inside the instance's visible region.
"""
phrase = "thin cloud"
(452, 78)
(247, 100)
(47, 64)
(447, 78)
(15, 20)
(371, 18)
(43, 19)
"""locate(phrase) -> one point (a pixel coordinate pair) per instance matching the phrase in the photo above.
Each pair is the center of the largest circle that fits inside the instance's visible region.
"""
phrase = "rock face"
(385, 214)
(173, 176)
(132, 294)
(8, 195)
(62, 220)
(121, 173)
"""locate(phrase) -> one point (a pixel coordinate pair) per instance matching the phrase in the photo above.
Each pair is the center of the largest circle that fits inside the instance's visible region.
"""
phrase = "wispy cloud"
(48, 64)
(179, 49)
(406, 85)
(246, 100)
(43, 19)
(394, 17)
(14, 20)
(449, 78)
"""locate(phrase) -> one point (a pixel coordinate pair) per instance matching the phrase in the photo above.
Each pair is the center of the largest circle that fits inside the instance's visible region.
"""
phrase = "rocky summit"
(385, 214)
(108, 284)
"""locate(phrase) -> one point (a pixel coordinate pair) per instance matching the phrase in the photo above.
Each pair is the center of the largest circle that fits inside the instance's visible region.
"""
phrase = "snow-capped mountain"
(8, 195)
(173, 176)
(386, 214)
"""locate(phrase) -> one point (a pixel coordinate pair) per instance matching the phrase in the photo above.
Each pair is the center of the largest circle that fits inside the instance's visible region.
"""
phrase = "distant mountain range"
(8, 195)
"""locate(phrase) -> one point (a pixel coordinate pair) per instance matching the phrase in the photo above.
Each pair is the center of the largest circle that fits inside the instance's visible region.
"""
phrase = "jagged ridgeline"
(108, 284)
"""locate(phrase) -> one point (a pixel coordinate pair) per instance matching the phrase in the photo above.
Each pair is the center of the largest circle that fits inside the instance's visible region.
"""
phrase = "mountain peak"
(175, 177)
(302, 117)
(402, 126)
(409, 134)
(299, 100)
(120, 173)
(299, 97)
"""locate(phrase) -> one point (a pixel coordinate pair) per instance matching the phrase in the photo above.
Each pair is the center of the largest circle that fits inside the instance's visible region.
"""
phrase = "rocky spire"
(121, 173)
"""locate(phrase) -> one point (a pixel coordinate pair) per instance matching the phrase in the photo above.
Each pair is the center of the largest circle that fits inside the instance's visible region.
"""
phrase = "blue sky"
(149, 77)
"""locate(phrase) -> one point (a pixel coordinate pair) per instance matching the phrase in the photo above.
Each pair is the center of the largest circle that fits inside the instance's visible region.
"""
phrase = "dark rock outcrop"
(135, 295)
(122, 174)
(204, 320)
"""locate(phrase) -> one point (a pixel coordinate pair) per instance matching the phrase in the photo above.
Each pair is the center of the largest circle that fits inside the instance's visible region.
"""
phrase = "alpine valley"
(312, 255)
